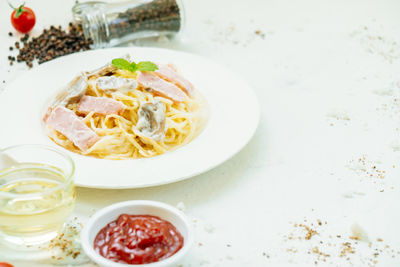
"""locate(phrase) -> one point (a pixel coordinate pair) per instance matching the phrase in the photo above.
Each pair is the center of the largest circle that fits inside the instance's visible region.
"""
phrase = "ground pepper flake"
(316, 250)
(346, 248)
(335, 249)
(66, 248)
(260, 33)
(310, 232)
(366, 167)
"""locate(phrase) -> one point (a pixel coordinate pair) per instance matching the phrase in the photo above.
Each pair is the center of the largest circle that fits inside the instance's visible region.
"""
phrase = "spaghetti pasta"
(119, 137)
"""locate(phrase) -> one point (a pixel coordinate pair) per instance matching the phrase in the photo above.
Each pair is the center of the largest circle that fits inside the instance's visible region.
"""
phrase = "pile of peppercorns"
(51, 43)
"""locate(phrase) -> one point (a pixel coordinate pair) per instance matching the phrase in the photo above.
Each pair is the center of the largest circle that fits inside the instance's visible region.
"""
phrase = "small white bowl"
(140, 207)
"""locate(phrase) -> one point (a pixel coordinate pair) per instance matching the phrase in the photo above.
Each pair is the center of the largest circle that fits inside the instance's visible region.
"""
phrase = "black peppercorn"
(51, 43)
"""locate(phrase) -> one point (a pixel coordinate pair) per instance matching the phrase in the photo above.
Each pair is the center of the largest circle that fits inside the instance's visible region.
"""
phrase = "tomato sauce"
(138, 239)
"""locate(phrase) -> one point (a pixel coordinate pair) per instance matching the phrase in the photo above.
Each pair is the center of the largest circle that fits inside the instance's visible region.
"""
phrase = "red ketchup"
(138, 239)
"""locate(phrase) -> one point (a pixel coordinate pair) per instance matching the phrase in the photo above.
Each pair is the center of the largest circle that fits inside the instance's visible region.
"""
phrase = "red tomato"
(23, 19)
(5, 264)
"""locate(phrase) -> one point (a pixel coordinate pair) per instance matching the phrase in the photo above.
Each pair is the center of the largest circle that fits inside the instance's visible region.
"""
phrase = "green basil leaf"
(147, 66)
(133, 67)
(121, 63)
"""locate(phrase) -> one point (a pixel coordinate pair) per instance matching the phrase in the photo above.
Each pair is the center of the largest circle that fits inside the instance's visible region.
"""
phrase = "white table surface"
(327, 77)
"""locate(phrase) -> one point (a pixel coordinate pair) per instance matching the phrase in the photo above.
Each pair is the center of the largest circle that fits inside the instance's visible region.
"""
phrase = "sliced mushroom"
(78, 89)
(106, 70)
(151, 121)
(67, 95)
(112, 83)
(72, 92)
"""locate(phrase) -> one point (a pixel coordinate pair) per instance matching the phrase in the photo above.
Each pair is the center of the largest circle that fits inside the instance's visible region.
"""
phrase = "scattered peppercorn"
(25, 38)
(11, 48)
(10, 34)
(51, 43)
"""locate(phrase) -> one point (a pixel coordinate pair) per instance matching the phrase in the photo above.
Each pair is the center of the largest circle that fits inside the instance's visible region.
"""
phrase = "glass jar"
(111, 24)
(37, 194)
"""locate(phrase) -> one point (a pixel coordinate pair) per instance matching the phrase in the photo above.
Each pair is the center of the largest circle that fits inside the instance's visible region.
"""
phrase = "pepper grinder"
(111, 24)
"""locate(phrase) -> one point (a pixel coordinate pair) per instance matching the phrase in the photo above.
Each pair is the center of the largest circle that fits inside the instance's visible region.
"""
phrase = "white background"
(328, 81)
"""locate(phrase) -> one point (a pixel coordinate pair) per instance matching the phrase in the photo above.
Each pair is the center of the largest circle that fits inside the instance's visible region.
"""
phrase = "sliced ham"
(160, 86)
(68, 123)
(100, 105)
(168, 72)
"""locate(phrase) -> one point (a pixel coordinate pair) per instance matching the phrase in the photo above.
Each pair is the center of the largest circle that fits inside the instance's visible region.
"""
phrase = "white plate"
(234, 115)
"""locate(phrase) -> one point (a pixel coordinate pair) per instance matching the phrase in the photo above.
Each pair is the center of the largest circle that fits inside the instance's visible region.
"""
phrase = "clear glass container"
(111, 24)
(37, 193)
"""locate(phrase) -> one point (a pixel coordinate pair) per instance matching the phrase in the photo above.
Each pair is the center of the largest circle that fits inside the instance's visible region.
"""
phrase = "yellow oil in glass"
(37, 202)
